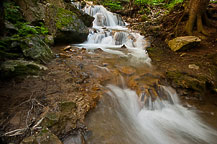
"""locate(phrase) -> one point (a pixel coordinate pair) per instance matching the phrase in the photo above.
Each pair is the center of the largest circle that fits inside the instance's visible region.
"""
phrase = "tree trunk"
(2, 25)
(197, 14)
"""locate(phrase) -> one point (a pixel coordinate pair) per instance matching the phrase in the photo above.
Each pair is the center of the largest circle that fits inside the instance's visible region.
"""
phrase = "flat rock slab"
(183, 43)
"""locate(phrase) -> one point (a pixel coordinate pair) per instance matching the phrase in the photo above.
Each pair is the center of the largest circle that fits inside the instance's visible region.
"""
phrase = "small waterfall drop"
(126, 119)
(109, 33)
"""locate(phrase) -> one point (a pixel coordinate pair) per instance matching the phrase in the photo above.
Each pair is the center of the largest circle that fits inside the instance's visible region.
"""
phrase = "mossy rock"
(49, 39)
(43, 137)
(66, 26)
(35, 48)
(11, 68)
(184, 80)
(63, 120)
(66, 107)
(9, 48)
(69, 27)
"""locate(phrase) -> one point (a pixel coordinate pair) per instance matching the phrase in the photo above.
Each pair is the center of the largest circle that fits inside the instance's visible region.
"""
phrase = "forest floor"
(73, 76)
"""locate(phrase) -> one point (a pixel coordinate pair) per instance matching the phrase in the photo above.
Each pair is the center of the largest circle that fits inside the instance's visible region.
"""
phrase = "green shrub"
(12, 12)
(173, 3)
(26, 29)
(149, 2)
(113, 5)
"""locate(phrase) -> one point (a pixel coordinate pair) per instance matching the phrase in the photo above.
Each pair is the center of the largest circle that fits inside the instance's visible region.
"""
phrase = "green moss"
(12, 68)
(12, 12)
(64, 18)
(4, 54)
(113, 5)
(144, 17)
(67, 106)
(187, 81)
(51, 119)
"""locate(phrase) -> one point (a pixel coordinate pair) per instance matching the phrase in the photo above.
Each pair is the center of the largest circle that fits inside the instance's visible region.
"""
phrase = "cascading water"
(110, 34)
(123, 117)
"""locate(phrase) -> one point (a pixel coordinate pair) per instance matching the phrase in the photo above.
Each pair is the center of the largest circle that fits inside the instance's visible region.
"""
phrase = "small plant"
(12, 12)
(25, 29)
(148, 2)
(144, 18)
(42, 29)
(173, 3)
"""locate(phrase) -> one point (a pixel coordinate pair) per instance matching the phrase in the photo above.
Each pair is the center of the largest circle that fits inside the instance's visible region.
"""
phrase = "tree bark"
(197, 14)
(2, 25)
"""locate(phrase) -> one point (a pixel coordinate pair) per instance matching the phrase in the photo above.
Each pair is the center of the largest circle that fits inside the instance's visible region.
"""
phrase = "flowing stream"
(124, 117)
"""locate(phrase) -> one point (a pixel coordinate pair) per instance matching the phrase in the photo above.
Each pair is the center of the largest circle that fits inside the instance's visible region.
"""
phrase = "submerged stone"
(183, 43)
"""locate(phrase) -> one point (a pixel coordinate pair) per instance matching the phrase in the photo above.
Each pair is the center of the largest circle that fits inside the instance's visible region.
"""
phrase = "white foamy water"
(163, 121)
(109, 32)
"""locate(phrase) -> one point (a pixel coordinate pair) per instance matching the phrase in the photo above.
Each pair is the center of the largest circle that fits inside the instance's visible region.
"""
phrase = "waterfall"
(109, 32)
(124, 118)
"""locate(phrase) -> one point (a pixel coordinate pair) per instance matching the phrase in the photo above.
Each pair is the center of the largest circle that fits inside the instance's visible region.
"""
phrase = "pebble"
(193, 66)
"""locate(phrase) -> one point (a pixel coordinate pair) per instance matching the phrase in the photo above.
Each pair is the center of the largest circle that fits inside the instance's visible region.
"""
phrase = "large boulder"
(87, 19)
(35, 48)
(12, 68)
(183, 43)
(66, 23)
(32, 10)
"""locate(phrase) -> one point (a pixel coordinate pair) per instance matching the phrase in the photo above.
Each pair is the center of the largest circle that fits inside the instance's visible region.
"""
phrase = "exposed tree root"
(197, 13)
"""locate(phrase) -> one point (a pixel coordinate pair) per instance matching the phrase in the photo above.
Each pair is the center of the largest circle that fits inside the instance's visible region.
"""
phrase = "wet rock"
(98, 50)
(75, 139)
(87, 19)
(67, 48)
(183, 43)
(20, 67)
(127, 70)
(35, 48)
(43, 137)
